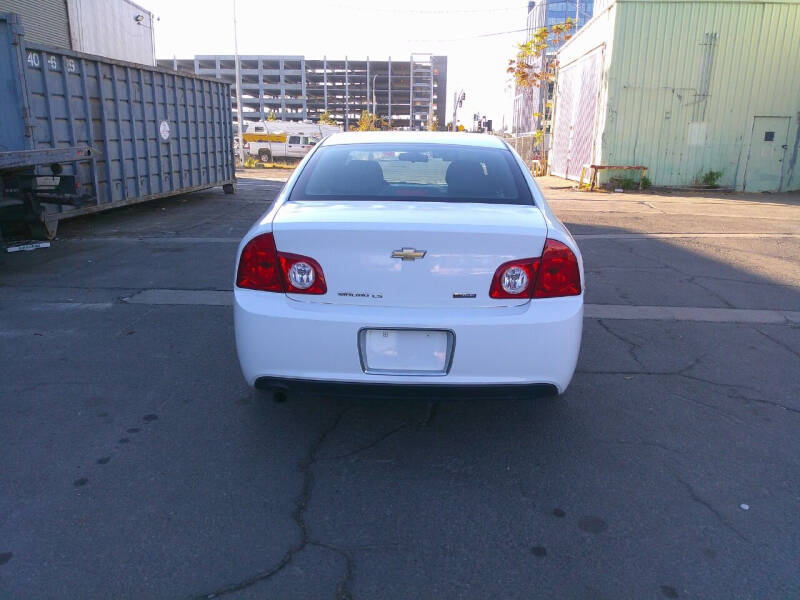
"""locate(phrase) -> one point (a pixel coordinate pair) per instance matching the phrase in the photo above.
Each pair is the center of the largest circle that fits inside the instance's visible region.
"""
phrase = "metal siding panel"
(581, 150)
(596, 36)
(14, 134)
(208, 120)
(89, 126)
(109, 28)
(163, 172)
(45, 21)
(565, 100)
(135, 134)
(655, 83)
(577, 115)
(105, 193)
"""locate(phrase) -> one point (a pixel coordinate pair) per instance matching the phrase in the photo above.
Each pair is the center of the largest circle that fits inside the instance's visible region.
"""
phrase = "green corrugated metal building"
(683, 87)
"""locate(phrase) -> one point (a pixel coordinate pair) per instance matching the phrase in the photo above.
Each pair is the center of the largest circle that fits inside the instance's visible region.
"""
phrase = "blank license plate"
(405, 351)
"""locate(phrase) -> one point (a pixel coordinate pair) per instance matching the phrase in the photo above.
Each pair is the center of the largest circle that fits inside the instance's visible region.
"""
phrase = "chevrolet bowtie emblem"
(408, 253)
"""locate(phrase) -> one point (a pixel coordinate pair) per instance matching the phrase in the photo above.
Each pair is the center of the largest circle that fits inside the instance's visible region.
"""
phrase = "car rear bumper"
(286, 343)
(402, 390)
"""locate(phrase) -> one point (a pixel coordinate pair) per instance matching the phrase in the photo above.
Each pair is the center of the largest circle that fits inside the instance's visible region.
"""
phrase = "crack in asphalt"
(690, 278)
(741, 396)
(372, 444)
(603, 372)
(642, 443)
(344, 588)
(699, 500)
(679, 373)
(713, 407)
(632, 346)
(778, 342)
(433, 411)
(750, 281)
(343, 591)
(693, 280)
(735, 389)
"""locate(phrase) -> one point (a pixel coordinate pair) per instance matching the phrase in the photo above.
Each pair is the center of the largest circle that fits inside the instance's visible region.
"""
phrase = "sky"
(379, 28)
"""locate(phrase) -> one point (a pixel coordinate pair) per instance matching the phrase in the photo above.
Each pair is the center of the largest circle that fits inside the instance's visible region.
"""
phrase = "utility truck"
(270, 140)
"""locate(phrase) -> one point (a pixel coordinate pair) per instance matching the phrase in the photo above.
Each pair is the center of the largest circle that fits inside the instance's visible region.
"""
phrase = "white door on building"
(768, 146)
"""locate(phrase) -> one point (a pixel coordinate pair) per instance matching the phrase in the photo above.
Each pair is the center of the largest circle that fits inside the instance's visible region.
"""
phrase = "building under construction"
(406, 94)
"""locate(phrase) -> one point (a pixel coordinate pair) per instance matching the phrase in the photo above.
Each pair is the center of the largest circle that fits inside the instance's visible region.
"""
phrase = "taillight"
(555, 274)
(514, 279)
(559, 274)
(258, 266)
(262, 267)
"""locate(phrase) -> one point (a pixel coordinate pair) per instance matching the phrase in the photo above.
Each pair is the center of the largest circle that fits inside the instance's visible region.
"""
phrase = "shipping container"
(80, 133)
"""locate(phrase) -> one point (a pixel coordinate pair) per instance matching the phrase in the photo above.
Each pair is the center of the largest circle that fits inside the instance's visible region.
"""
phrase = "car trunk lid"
(409, 254)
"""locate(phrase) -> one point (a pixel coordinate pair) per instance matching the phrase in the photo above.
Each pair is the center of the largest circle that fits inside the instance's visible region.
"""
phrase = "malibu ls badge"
(409, 253)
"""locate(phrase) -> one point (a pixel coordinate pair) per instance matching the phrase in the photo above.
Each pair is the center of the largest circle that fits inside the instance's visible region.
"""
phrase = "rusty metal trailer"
(80, 133)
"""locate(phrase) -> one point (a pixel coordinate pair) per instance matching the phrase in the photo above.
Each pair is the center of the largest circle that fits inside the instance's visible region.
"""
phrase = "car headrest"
(467, 177)
(362, 177)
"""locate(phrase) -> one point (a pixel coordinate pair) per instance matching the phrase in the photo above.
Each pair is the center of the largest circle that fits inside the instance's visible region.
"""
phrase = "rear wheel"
(264, 155)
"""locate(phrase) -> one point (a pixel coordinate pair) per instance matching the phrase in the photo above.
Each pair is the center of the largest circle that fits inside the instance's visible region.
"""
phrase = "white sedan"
(399, 263)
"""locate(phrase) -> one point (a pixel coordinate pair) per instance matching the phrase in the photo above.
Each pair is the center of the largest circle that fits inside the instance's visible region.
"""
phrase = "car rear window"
(414, 172)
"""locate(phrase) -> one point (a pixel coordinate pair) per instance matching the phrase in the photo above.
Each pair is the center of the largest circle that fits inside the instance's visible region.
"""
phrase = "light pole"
(458, 99)
(238, 84)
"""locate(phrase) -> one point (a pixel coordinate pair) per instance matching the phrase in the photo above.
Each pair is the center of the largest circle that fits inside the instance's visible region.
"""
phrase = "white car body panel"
(533, 343)
(497, 342)
(353, 242)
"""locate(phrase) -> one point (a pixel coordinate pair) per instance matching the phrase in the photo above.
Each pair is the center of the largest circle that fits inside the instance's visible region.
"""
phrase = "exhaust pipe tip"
(280, 393)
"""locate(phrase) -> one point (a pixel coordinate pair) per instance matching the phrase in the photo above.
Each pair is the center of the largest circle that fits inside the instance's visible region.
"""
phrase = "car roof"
(415, 137)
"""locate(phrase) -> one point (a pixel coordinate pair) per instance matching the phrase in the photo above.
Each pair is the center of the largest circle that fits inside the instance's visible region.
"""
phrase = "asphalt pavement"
(136, 463)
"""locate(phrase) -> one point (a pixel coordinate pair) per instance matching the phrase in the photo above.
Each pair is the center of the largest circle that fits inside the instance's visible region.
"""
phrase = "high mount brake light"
(262, 267)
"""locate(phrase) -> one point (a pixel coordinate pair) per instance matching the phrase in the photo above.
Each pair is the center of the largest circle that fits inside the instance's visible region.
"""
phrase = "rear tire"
(264, 155)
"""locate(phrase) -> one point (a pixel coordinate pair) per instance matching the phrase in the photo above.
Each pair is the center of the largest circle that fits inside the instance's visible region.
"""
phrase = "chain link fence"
(527, 147)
